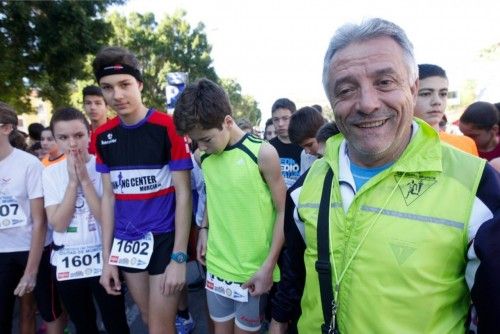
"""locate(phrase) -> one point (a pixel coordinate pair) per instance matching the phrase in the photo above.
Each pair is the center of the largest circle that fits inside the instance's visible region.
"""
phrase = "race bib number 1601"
(132, 254)
(78, 262)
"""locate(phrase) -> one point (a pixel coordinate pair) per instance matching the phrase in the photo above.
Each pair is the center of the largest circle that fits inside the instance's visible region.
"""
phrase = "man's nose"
(368, 99)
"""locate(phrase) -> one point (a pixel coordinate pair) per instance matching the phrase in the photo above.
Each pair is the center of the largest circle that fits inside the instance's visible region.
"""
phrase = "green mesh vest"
(240, 208)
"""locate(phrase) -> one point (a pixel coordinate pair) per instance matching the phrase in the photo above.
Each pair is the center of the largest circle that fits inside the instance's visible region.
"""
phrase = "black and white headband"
(118, 69)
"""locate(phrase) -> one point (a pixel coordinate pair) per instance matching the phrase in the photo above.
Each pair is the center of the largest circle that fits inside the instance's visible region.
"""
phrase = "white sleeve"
(480, 214)
(306, 161)
(50, 190)
(34, 179)
(294, 196)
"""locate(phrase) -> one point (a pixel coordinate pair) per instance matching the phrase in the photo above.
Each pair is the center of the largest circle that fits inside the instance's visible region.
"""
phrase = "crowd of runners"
(384, 221)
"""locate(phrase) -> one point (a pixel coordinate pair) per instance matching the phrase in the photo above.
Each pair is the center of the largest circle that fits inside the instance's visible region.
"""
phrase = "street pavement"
(196, 301)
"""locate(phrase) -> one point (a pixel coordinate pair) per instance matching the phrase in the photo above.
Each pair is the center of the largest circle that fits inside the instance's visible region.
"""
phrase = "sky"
(275, 48)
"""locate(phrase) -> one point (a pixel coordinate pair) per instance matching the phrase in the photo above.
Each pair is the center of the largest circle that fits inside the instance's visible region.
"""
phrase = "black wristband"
(202, 228)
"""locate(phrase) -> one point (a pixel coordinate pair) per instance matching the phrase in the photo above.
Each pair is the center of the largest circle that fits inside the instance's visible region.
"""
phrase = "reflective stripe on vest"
(409, 274)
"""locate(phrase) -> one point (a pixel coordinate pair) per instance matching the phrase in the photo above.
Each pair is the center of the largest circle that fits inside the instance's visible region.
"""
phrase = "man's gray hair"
(367, 30)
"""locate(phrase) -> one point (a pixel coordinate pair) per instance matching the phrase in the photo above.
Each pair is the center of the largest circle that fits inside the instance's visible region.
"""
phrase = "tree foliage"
(173, 45)
(244, 106)
(49, 46)
(169, 46)
(44, 45)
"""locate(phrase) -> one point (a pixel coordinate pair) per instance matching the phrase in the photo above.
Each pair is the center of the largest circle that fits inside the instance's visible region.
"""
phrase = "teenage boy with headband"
(145, 170)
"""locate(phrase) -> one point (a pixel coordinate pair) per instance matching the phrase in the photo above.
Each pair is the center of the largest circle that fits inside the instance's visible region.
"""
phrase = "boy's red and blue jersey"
(140, 159)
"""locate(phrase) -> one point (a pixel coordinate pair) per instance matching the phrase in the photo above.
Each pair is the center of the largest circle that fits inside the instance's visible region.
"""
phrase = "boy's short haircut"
(318, 108)
(326, 131)
(35, 130)
(92, 91)
(269, 122)
(483, 115)
(430, 70)
(68, 114)
(116, 60)
(283, 103)
(202, 104)
(16, 138)
(8, 115)
(304, 124)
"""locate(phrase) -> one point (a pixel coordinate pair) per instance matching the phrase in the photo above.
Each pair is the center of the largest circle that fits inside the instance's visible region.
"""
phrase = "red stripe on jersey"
(179, 149)
(105, 127)
(92, 144)
(131, 197)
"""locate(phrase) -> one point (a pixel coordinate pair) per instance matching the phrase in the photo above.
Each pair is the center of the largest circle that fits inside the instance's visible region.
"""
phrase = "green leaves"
(244, 106)
(48, 46)
(44, 45)
(171, 45)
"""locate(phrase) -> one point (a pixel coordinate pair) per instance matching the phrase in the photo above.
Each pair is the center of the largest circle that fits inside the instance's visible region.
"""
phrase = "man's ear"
(414, 90)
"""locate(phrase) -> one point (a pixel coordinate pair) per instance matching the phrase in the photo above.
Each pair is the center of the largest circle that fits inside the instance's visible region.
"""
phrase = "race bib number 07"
(11, 214)
(78, 262)
(132, 254)
(227, 289)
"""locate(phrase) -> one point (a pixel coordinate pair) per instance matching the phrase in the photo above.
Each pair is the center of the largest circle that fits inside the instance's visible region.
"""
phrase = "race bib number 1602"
(132, 253)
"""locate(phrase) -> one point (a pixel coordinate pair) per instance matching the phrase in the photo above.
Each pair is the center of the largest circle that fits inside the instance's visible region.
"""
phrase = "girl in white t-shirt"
(24, 242)
(72, 191)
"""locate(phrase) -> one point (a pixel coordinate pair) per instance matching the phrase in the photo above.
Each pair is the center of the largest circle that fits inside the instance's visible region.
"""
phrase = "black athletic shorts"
(12, 267)
(162, 250)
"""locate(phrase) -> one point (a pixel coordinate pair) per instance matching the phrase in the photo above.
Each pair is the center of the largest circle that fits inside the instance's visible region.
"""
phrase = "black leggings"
(76, 296)
(12, 267)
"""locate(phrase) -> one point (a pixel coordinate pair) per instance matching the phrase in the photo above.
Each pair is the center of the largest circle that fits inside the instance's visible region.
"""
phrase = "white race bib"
(11, 213)
(132, 254)
(78, 262)
(230, 290)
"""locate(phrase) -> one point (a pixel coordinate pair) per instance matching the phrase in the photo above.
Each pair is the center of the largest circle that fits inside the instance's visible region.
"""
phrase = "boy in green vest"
(245, 207)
